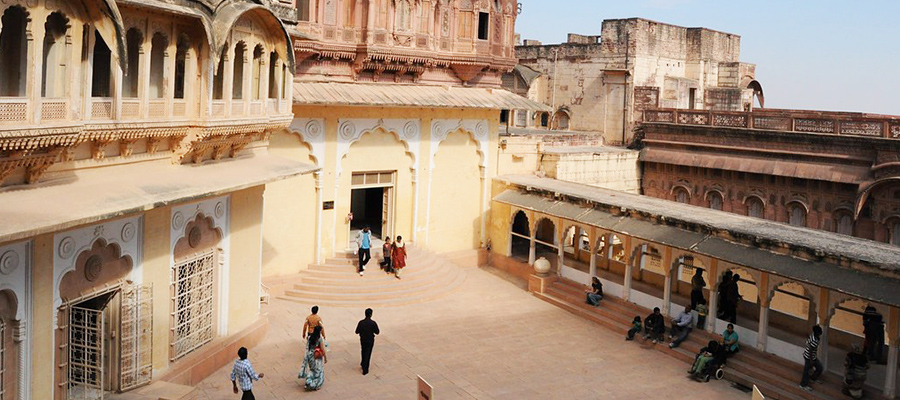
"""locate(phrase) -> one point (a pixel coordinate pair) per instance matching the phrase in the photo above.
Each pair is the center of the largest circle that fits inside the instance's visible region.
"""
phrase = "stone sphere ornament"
(542, 266)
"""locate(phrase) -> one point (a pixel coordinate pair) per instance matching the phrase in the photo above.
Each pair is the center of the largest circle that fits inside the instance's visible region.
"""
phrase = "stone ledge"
(194, 368)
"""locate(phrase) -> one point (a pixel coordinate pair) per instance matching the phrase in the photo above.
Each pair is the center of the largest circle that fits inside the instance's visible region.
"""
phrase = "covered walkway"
(646, 250)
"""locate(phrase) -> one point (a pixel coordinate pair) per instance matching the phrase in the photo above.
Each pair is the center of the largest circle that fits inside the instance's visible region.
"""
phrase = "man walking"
(243, 375)
(364, 241)
(811, 360)
(367, 329)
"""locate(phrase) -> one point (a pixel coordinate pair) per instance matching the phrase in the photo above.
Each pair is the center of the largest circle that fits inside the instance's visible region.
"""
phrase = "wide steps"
(776, 377)
(336, 282)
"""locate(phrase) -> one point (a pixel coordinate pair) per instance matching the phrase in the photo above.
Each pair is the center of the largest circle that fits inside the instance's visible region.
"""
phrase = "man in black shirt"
(367, 329)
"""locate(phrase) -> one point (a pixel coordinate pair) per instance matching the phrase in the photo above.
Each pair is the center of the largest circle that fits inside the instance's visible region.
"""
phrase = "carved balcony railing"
(54, 109)
(801, 121)
(101, 108)
(131, 109)
(13, 109)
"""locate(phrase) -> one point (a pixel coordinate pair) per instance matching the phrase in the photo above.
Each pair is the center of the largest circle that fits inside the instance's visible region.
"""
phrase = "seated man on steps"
(681, 327)
(654, 326)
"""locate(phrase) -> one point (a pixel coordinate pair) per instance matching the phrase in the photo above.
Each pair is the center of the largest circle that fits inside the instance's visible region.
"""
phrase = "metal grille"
(85, 354)
(2, 359)
(192, 301)
(135, 364)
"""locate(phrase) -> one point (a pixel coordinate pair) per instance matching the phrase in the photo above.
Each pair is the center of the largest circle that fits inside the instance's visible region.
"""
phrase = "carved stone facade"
(455, 42)
(831, 171)
(604, 83)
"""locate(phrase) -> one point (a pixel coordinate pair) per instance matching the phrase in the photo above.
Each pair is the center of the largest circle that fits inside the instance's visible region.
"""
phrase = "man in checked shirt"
(243, 375)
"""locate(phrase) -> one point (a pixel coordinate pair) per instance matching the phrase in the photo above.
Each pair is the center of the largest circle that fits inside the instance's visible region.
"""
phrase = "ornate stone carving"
(9, 261)
(177, 220)
(128, 232)
(66, 247)
(93, 267)
(220, 209)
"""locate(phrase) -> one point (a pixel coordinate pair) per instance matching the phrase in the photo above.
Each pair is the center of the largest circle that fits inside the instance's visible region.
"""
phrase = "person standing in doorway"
(364, 241)
(697, 285)
(812, 367)
(243, 375)
(723, 287)
(873, 329)
(367, 329)
(398, 256)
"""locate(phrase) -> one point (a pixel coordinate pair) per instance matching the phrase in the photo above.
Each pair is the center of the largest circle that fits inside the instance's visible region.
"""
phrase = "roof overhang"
(400, 95)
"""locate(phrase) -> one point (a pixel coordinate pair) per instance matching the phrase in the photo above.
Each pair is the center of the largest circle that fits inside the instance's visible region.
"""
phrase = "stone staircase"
(336, 282)
(776, 378)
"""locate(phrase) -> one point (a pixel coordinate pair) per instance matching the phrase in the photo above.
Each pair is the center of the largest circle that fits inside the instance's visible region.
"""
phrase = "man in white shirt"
(681, 327)
(364, 241)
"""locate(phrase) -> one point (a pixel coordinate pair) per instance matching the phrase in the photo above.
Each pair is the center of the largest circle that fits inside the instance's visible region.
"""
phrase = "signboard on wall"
(424, 390)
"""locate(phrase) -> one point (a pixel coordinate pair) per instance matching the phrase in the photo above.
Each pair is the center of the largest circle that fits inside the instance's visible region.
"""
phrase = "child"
(702, 311)
(635, 328)
(386, 254)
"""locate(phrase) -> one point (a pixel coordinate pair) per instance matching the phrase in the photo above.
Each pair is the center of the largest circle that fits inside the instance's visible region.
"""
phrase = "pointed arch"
(227, 15)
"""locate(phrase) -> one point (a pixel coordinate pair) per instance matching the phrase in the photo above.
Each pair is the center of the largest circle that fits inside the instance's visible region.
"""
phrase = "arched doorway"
(520, 237)
(545, 242)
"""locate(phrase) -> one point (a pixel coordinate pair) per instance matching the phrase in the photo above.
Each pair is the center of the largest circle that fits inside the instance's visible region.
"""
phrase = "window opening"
(273, 82)
(158, 47)
(13, 47)
(219, 80)
(681, 196)
(796, 215)
(895, 233)
(192, 303)
(257, 72)
(102, 71)
(844, 224)
(504, 116)
(715, 201)
(303, 10)
(181, 66)
(483, 25)
(54, 56)
(755, 208)
(237, 89)
(692, 98)
(133, 41)
(86, 349)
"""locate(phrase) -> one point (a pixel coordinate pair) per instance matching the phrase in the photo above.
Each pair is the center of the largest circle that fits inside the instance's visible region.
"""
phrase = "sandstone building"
(158, 159)
(603, 83)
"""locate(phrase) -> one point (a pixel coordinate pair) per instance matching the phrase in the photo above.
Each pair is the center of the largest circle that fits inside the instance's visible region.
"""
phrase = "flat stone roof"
(98, 194)
(881, 255)
(858, 283)
(588, 150)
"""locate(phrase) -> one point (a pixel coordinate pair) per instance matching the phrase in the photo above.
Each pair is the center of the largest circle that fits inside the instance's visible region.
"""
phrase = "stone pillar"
(713, 303)
(762, 339)
(370, 23)
(626, 280)
(415, 216)
(822, 308)
(667, 290)
(560, 247)
(531, 249)
(21, 346)
(890, 381)
(592, 237)
(485, 203)
(318, 175)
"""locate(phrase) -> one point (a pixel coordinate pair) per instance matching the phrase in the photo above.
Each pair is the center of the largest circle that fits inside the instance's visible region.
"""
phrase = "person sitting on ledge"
(681, 327)
(654, 326)
(594, 295)
(730, 341)
(635, 328)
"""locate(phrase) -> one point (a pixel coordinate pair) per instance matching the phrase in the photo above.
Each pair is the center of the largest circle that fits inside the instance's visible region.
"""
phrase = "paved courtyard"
(488, 340)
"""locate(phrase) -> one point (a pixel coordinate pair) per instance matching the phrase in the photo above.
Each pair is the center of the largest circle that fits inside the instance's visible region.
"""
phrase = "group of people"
(315, 355)
(393, 253)
(729, 295)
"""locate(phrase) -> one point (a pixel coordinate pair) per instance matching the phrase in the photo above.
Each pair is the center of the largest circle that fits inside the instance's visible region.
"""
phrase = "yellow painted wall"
(289, 241)
(499, 228)
(157, 265)
(244, 258)
(382, 151)
(41, 325)
(456, 188)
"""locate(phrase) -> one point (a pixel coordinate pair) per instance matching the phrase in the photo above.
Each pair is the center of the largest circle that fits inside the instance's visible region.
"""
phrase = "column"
(560, 250)
(592, 237)
(822, 309)
(415, 216)
(626, 280)
(713, 303)
(762, 338)
(531, 251)
(893, 335)
(485, 203)
(23, 348)
(318, 175)
(370, 23)
(667, 290)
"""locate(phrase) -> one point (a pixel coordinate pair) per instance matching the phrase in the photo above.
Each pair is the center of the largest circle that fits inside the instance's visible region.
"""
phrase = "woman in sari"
(315, 376)
(398, 256)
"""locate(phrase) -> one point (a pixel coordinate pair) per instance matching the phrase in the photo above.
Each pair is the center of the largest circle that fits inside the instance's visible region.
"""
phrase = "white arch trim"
(15, 269)
(127, 233)
(312, 131)
(478, 128)
(408, 131)
(218, 209)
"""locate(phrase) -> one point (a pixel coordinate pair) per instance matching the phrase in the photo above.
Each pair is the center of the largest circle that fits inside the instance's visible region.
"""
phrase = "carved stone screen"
(192, 302)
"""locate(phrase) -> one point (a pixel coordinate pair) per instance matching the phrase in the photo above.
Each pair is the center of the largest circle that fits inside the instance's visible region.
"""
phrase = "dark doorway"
(367, 206)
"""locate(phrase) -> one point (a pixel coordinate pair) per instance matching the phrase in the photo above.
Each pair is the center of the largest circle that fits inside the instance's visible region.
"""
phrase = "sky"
(813, 55)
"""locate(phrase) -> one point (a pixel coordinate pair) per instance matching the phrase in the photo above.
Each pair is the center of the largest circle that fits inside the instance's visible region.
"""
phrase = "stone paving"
(488, 340)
